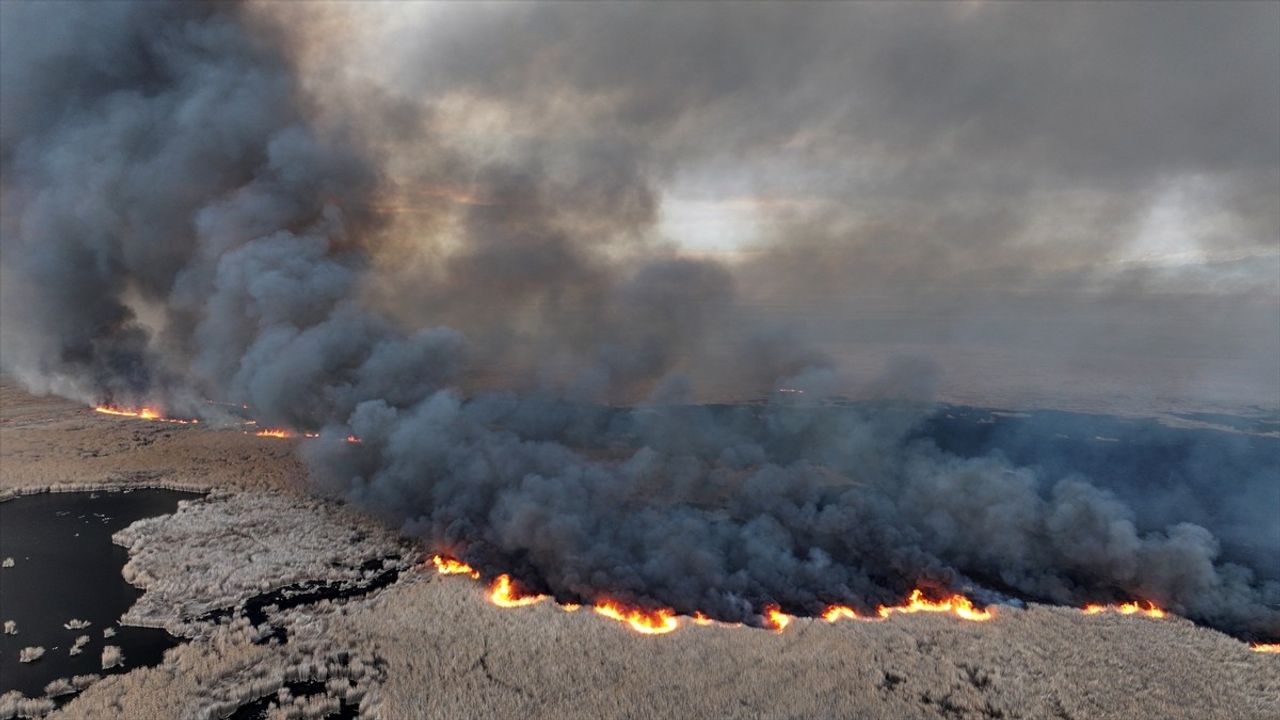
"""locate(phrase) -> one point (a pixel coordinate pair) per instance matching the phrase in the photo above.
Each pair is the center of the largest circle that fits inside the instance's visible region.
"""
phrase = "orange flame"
(145, 413)
(645, 622)
(841, 612)
(775, 618)
(280, 433)
(503, 593)
(1265, 647)
(450, 566)
(957, 605)
(155, 415)
(1145, 607)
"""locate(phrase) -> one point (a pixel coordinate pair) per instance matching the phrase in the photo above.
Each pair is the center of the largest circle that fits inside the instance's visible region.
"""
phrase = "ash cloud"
(454, 248)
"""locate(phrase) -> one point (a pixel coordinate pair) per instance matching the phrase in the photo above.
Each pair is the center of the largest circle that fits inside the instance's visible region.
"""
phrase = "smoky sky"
(922, 177)
(455, 231)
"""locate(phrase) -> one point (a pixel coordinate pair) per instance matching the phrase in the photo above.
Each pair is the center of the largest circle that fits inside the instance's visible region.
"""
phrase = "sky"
(1046, 202)
(1067, 204)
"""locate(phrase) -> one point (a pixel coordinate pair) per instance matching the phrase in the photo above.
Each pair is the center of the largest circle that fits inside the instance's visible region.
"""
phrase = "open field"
(429, 646)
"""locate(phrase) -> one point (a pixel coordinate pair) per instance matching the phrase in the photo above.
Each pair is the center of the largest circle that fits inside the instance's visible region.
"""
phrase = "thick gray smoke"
(189, 214)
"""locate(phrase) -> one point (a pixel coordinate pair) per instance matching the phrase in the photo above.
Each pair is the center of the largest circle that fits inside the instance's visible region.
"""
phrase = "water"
(67, 567)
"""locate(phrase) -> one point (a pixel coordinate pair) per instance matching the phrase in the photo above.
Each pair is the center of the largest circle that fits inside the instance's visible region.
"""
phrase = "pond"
(66, 567)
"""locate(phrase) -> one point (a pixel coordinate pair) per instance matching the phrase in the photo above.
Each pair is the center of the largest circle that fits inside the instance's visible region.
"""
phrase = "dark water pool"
(65, 566)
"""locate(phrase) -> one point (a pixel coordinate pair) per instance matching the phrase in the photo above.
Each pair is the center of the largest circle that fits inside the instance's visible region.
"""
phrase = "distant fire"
(154, 415)
(283, 434)
(274, 433)
(1265, 647)
(145, 413)
(1146, 608)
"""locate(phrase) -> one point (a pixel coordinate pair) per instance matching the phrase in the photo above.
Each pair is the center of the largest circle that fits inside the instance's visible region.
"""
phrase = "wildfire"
(1145, 607)
(449, 566)
(156, 416)
(775, 618)
(645, 622)
(503, 593)
(957, 605)
(841, 612)
(283, 434)
(1265, 647)
(280, 433)
(145, 413)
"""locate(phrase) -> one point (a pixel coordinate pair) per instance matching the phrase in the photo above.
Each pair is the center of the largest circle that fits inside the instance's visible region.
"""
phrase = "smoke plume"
(460, 250)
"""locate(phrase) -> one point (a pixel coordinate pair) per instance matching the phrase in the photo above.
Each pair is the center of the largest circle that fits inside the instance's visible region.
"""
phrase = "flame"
(450, 566)
(274, 433)
(155, 415)
(145, 413)
(957, 605)
(775, 618)
(645, 622)
(503, 593)
(1145, 607)
(841, 612)
(1265, 647)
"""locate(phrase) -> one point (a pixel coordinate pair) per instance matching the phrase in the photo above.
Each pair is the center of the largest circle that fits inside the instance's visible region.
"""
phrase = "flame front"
(841, 612)
(645, 622)
(450, 566)
(1265, 647)
(957, 605)
(775, 618)
(1145, 607)
(145, 413)
(280, 433)
(503, 593)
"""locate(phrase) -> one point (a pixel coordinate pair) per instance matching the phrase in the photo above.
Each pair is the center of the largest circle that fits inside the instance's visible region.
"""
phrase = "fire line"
(505, 592)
